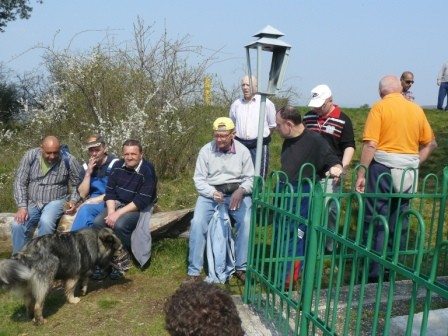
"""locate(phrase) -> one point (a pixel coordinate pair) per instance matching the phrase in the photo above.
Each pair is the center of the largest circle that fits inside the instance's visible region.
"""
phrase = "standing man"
(392, 155)
(41, 188)
(407, 79)
(93, 181)
(336, 128)
(245, 113)
(223, 175)
(300, 149)
(442, 82)
(131, 193)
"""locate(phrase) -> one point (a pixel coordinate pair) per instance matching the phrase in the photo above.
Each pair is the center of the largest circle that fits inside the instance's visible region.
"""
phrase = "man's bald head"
(50, 149)
(389, 84)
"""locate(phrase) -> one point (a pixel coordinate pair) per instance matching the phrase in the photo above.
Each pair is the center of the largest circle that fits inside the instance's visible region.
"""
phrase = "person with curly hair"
(202, 309)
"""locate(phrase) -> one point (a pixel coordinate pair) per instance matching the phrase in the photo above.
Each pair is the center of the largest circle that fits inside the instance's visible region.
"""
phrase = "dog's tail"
(12, 273)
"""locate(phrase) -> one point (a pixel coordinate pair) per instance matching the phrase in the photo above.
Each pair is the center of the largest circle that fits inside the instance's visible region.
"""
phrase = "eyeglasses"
(409, 81)
(221, 136)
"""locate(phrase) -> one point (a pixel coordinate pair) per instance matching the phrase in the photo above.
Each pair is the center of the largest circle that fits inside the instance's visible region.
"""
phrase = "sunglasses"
(409, 82)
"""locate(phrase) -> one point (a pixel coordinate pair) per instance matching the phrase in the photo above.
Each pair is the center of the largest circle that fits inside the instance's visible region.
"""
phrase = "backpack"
(64, 151)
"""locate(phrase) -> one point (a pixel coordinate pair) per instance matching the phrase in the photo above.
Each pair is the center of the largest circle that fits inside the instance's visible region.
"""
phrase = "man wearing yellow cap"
(223, 175)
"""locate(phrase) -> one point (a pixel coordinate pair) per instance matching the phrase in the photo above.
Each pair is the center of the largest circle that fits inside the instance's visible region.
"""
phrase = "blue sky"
(347, 44)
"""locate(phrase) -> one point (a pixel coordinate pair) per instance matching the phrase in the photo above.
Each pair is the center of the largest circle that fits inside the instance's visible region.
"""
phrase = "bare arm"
(113, 215)
(368, 150)
(426, 150)
(84, 187)
(347, 157)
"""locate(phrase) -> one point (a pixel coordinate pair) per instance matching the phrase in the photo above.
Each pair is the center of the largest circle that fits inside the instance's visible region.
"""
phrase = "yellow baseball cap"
(223, 124)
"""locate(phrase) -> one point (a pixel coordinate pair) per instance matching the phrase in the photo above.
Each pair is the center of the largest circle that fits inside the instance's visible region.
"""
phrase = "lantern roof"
(268, 39)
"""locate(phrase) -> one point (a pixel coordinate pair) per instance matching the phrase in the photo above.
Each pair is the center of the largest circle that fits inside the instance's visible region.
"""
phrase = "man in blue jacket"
(93, 181)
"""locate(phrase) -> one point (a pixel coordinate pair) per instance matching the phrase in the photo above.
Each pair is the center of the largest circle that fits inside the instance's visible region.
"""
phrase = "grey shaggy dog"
(69, 256)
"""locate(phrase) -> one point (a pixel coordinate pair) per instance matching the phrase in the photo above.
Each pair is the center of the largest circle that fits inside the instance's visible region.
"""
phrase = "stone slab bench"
(163, 224)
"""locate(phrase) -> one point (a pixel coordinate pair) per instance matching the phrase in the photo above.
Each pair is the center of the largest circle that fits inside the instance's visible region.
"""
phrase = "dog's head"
(109, 243)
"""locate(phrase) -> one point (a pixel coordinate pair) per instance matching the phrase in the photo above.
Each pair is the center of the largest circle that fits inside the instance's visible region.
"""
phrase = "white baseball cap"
(318, 95)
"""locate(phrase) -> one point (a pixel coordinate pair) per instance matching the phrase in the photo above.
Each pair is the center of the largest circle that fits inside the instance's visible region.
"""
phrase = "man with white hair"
(245, 113)
(223, 175)
(392, 155)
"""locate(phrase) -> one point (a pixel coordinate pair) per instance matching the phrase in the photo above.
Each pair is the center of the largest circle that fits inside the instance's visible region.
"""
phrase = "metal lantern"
(267, 42)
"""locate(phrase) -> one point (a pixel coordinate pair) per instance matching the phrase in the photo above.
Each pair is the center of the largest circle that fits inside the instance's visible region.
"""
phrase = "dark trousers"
(389, 207)
(123, 227)
(290, 235)
(443, 92)
(252, 147)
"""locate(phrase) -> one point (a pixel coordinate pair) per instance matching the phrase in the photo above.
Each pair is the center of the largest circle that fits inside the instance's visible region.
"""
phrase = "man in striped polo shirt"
(336, 128)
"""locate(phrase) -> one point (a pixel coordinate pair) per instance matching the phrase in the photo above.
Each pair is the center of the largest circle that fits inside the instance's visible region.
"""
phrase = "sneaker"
(99, 274)
(116, 274)
(192, 279)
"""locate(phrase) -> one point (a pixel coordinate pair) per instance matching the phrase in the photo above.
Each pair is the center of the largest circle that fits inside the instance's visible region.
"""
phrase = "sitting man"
(131, 193)
(41, 188)
(223, 175)
(93, 181)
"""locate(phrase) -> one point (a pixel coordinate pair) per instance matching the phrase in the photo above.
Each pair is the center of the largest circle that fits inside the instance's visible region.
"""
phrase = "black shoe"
(241, 275)
(192, 279)
(116, 274)
(99, 274)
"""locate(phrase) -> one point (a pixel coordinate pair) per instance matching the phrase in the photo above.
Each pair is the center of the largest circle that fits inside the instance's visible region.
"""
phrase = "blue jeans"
(46, 220)
(443, 92)
(203, 212)
(123, 226)
(86, 214)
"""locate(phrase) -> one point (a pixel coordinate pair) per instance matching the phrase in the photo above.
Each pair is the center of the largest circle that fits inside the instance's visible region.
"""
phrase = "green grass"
(134, 306)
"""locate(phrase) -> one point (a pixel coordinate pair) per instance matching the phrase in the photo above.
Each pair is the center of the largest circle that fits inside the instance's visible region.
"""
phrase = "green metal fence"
(318, 293)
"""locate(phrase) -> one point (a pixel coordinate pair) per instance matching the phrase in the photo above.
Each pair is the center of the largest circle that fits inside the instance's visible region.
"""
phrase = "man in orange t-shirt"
(397, 139)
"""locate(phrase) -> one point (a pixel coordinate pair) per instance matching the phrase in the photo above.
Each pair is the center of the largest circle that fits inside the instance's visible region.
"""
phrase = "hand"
(235, 199)
(218, 197)
(70, 208)
(91, 165)
(360, 184)
(334, 171)
(21, 215)
(112, 219)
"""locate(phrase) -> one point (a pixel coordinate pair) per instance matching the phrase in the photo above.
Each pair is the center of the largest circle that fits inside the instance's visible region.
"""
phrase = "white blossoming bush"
(150, 92)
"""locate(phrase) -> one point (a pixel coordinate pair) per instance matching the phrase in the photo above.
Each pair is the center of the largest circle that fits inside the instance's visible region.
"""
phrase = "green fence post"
(310, 260)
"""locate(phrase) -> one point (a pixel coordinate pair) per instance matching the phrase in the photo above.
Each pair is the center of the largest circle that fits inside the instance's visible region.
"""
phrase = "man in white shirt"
(245, 113)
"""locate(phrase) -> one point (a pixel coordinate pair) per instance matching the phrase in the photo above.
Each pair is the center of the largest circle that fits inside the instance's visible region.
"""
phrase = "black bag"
(227, 188)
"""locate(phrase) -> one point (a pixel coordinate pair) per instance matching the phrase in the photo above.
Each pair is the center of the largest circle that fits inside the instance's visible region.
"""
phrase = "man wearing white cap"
(336, 128)
(223, 175)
